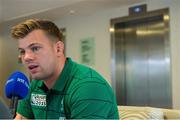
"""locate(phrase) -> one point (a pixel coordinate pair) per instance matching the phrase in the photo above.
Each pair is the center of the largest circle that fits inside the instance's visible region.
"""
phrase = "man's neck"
(51, 81)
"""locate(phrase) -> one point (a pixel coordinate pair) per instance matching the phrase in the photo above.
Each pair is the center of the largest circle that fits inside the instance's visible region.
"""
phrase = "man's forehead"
(35, 37)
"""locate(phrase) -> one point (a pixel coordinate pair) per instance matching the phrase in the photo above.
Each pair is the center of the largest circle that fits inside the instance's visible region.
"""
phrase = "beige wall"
(97, 25)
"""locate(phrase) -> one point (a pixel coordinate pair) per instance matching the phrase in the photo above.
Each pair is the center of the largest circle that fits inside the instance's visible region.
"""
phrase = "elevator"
(141, 74)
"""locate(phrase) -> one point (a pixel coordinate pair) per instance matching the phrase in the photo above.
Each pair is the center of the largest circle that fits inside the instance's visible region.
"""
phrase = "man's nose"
(28, 56)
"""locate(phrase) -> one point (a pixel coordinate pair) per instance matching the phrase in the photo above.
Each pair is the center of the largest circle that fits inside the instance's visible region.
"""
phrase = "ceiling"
(50, 9)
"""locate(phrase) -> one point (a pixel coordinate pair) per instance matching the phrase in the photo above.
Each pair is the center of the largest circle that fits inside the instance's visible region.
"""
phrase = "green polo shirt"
(79, 93)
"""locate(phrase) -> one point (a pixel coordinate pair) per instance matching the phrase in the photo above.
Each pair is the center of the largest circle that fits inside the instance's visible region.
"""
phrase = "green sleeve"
(24, 107)
(91, 100)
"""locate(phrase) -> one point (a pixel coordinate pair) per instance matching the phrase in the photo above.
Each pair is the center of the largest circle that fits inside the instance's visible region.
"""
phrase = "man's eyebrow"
(33, 44)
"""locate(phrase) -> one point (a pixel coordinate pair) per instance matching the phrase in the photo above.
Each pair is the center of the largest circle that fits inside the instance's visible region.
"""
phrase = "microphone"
(16, 88)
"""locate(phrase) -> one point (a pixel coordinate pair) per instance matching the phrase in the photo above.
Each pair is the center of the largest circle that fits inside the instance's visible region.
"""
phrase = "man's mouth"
(32, 67)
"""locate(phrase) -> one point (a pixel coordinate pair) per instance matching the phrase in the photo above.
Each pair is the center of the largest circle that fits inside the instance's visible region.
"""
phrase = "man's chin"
(36, 77)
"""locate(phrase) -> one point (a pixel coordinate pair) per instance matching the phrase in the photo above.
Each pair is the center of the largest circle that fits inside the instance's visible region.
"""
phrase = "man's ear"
(60, 47)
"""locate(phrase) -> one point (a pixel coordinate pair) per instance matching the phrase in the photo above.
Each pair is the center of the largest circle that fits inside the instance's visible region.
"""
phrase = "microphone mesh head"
(17, 85)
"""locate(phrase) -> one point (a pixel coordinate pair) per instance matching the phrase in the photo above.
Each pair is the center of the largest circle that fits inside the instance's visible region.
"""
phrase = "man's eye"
(35, 48)
(21, 52)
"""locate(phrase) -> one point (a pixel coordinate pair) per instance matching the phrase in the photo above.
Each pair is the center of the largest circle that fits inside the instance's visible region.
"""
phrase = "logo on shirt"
(38, 100)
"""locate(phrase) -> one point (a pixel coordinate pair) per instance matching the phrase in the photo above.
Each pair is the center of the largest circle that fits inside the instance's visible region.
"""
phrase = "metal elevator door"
(142, 62)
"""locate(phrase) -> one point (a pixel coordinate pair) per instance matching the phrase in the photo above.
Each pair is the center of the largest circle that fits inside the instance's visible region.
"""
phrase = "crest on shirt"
(38, 100)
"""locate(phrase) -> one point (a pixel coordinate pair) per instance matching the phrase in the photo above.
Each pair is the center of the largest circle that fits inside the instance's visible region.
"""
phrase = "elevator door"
(141, 62)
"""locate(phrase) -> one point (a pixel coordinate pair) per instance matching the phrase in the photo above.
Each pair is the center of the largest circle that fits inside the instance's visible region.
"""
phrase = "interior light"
(111, 30)
(137, 9)
(166, 17)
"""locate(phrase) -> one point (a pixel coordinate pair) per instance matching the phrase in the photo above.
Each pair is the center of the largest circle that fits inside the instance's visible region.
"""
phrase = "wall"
(97, 25)
(8, 57)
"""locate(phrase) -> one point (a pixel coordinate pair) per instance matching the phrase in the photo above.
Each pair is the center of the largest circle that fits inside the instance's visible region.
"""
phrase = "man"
(60, 87)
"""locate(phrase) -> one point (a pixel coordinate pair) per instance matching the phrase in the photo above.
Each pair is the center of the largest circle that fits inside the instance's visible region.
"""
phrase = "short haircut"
(23, 29)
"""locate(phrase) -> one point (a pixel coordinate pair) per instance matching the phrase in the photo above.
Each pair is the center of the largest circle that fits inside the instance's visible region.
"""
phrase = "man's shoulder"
(81, 74)
(84, 75)
(81, 70)
(84, 71)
